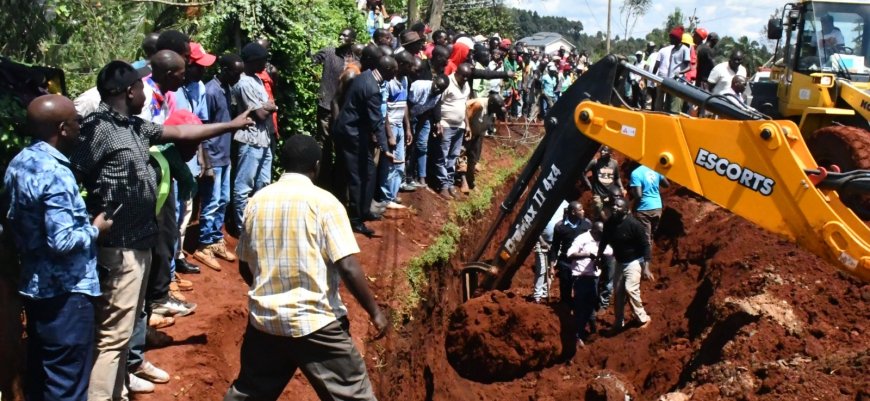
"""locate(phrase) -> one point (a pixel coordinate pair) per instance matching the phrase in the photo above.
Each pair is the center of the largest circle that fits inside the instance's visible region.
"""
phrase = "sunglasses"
(78, 119)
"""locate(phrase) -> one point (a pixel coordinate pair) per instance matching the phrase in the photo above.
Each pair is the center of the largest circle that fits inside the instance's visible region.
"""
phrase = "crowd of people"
(405, 110)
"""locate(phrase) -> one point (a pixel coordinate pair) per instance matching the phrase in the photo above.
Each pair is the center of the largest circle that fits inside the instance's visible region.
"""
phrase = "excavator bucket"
(556, 165)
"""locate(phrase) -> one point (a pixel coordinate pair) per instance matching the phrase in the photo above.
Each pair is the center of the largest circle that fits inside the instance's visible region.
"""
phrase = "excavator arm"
(757, 168)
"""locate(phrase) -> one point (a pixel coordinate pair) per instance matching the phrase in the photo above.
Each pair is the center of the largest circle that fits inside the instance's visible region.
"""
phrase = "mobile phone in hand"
(110, 214)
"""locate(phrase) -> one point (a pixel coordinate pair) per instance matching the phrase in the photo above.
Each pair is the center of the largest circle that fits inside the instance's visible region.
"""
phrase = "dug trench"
(737, 314)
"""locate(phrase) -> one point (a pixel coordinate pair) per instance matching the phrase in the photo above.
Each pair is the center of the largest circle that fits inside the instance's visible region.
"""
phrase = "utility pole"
(608, 26)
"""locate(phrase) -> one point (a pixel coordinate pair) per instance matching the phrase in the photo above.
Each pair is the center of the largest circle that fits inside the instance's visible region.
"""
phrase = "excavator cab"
(755, 167)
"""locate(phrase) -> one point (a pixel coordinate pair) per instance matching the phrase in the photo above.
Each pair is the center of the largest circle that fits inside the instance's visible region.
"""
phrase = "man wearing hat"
(191, 97)
(674, 62)
(112, 160)
(254, 163)
(411, 42)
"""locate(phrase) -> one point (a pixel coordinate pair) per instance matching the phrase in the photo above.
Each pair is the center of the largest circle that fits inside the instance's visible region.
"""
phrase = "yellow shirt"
(293, 233)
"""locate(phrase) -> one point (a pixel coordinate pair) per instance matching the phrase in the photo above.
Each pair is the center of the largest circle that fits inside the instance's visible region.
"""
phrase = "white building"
(547, 42)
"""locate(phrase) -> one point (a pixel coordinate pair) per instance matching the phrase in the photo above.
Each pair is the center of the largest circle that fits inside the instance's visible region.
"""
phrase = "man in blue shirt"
(57, 244)
(644, 185)
(215, 181)
(548, 89)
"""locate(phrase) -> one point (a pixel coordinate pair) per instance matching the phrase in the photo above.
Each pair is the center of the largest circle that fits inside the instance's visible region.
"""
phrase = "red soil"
(737, 314)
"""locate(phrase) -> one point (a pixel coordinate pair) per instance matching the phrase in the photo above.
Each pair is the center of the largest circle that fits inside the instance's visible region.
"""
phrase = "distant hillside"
(529, 22)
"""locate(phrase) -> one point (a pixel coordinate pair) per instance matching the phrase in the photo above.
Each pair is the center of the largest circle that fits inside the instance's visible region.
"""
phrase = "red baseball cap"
(702, 33)
(199, 56)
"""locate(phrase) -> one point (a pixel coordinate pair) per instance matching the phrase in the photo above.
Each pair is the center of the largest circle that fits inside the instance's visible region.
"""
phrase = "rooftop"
(543, 39)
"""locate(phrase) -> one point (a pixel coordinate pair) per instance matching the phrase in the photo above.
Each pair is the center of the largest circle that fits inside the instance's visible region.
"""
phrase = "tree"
(632, 10)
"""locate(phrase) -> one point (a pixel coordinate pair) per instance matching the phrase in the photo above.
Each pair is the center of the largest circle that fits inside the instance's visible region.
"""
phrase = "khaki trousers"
(121, 282)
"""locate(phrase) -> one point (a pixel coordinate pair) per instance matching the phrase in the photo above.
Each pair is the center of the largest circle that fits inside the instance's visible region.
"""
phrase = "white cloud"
(727, 18)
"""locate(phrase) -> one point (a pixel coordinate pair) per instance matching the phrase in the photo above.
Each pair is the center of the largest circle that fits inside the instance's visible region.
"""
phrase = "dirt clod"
(500, 336)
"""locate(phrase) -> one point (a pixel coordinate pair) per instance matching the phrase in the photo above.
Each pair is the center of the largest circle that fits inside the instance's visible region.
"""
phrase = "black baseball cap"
(117, 76)
(254, 52)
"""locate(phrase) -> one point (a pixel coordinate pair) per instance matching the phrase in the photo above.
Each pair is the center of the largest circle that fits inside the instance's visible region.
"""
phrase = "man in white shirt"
(585, 271)
(722, 74)
(735, 93)
(832, 40)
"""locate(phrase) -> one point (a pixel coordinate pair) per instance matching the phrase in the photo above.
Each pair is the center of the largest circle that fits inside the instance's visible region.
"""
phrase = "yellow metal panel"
(753, 168)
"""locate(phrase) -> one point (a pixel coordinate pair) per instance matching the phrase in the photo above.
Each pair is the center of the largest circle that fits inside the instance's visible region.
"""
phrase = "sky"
(726, 17)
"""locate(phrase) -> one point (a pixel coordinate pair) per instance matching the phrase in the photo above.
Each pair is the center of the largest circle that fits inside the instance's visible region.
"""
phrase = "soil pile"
(500, 336)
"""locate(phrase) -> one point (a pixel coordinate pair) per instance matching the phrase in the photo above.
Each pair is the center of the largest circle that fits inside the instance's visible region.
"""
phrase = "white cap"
(396, 20)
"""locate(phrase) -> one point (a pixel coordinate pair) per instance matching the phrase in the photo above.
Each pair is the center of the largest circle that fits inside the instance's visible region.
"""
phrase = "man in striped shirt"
(295, 248)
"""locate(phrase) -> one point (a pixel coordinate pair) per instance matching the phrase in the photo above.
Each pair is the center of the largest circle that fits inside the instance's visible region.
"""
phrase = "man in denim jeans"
(254, 164)
(453, 123)
(423, 98)
(215, 182)
(391, 171)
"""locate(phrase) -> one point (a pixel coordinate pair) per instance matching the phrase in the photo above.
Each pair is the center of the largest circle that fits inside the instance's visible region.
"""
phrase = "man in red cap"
(191, 97)
(674, 62)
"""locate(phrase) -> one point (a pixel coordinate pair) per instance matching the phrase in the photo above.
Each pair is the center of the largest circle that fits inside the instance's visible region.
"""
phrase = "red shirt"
(269, 84)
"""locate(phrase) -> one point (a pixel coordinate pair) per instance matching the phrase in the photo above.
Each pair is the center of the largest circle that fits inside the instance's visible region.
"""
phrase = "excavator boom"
(757, 168)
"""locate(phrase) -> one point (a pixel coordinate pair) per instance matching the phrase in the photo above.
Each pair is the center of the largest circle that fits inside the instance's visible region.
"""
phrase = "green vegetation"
(446, 243)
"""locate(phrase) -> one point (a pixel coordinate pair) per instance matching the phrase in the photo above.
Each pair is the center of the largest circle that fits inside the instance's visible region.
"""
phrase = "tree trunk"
(12, 351)
(413, 12)
(436, 11)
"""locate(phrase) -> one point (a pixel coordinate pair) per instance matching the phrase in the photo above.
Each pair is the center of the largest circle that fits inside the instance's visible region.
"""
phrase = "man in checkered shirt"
(296, 245)
(112, 160)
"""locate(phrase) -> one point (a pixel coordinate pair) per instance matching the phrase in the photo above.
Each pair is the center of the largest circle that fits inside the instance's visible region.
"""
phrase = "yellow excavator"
(821, 80)
(756, 167)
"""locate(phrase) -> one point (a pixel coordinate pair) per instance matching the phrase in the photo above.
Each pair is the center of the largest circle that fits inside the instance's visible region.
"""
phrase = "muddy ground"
(737, 314)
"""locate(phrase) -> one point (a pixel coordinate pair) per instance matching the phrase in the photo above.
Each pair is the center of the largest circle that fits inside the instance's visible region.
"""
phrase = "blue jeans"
(253, 172)
(421, 147)
(446, 155)
(215, 195)
(391, 174)
(60, 347)
(585, 302)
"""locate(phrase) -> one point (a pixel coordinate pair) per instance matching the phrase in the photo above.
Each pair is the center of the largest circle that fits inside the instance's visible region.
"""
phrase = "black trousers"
(157, 289)
(323, 136)
(473, 150)
(566, 282)
(356, 174)
(327, 357)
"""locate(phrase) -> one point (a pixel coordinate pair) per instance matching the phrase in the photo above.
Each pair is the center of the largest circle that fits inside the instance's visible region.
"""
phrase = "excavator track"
(848, 148)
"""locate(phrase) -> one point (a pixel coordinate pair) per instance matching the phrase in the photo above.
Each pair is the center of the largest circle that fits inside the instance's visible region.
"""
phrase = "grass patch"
(445, 244)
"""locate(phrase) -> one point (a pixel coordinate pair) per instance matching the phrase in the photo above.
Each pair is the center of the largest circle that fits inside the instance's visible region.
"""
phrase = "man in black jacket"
(357, 131)
(564, 233)
(631, 248)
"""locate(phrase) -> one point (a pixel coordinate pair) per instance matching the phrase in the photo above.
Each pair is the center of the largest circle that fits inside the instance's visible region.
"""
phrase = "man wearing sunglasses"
(57, 243)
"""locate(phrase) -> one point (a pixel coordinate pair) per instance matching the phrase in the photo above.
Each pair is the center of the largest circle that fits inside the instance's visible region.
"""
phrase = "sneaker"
(645, 324)
(453, 192)
(173, 306)
(408, 187)
(395, 206)
(421, 184)
(206, 256)
(159, 321)
(139, 386)
(220, 250)
(151, 373)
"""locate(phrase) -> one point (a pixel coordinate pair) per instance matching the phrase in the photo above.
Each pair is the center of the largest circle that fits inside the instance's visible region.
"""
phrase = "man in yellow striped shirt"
(295, 248)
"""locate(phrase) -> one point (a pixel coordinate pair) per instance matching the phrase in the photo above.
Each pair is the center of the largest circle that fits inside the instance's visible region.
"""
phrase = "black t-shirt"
(605, 176)
(628, 239)
(706, 62)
